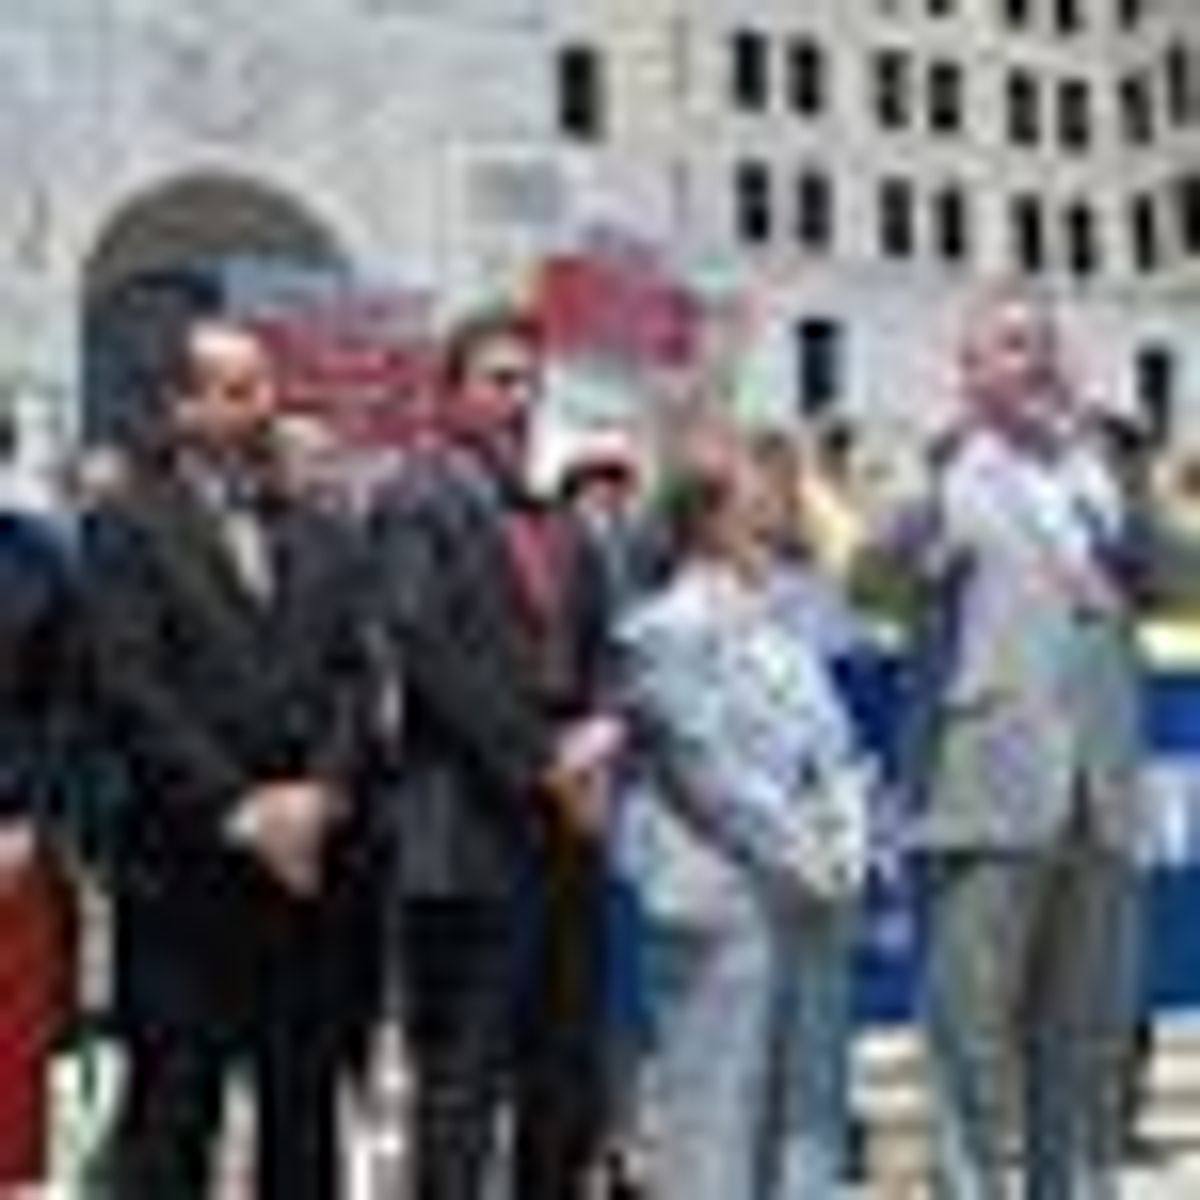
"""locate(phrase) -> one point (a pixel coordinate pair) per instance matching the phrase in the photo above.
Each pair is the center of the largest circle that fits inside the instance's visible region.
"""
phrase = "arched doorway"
(166, 255)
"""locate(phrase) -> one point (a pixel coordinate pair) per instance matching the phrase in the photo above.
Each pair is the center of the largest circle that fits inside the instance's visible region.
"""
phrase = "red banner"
(364, 364)
(618, 304)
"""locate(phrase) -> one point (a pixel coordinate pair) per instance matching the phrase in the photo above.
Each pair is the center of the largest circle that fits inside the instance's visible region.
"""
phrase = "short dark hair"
(470, 335)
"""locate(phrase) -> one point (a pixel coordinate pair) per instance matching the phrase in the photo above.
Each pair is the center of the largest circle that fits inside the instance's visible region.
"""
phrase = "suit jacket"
(742, 735)
(37, 664)
(206, 688)
(478, 729)
(1025, 692)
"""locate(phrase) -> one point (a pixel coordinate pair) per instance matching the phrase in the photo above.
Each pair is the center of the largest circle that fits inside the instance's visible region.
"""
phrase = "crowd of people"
(573, 785)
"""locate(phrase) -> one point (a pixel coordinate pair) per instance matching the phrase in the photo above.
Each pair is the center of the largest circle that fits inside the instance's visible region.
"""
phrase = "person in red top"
(35, 944)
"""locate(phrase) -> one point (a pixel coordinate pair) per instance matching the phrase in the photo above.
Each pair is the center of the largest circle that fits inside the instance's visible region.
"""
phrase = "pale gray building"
(850, 168)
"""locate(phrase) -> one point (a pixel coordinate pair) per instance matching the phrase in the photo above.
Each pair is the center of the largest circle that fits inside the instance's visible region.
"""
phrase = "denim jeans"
(748, 1084)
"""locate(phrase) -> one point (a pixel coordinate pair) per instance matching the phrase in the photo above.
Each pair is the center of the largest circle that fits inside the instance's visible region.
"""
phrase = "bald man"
(1024, 758)
(232, 681)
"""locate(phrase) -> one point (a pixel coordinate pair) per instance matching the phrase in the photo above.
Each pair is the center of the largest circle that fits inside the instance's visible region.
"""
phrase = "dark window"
(1187, 201)
(1082, 239)
(893, 89)
(1024, 109)
(897, 232)
(1137, 110)
(814, 210)
(942, 8)
(1157, 383)
(1069, 15)
(945, 97)
(1075, 115)
(750, 70)
(581, 100)
(807, 83)
(1130, 12)
(951, 224)
(820, 366)
(1015, 12)
(1028, 233)
(1144, 233)
(1181, 84)
(752, 201)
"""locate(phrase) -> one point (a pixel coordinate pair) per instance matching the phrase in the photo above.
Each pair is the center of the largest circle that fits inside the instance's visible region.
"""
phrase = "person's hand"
(285, 826)
(590, 745)
(18, 849)
(580, 773)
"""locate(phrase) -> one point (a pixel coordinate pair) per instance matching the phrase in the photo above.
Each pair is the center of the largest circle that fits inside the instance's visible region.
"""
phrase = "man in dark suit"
(227, 645)
(495, 614)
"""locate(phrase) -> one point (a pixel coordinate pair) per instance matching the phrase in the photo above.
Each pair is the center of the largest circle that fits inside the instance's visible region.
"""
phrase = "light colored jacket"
(745, 745)
(1025, 690)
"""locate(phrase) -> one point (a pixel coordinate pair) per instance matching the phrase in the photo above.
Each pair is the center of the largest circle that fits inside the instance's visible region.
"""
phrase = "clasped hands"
(285, 825)
(579, 777)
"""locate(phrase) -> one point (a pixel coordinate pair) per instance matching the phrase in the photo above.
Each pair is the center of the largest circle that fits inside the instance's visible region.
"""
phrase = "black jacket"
(37, 664)
(479, 729)
(205, 689)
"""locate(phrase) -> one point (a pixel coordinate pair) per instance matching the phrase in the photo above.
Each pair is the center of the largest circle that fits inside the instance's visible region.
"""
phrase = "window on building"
(1183, 88)
(1081, 234)
(814, 210)
(750, 70)
(1137, 110)
(951, 223)
(1016, 13)
(945, 97)
(1156, 381)
(1145, 247)
(1069, 16)
(893, 89)
(1130, 12)
(820, 364)
(1075, 114)
(1187, 203)
(1024, 109)
(942, 8)
(753, 215)
(581, 93)
(1028, 221)
(807, 77)
(897, 224)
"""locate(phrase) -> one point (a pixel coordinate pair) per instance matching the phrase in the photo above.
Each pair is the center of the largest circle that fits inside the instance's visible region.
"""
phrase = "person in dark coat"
(494, 611)
(230, 673)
